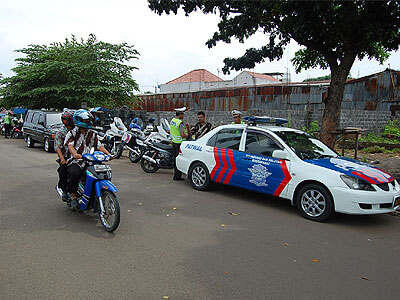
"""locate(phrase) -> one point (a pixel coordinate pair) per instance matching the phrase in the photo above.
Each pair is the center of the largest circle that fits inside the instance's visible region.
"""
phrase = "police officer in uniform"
(179, 132)
(237, 117)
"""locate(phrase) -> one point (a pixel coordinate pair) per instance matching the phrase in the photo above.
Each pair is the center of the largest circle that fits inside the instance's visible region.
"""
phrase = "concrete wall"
(367, 102)
(371, 121)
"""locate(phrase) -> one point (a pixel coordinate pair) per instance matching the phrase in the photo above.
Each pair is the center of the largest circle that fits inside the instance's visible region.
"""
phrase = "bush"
(374, 149)
(313, 128)
(373, 138)
(392, 128)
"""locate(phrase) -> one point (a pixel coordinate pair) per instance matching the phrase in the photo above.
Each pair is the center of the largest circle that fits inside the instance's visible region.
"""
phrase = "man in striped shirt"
(80, 141)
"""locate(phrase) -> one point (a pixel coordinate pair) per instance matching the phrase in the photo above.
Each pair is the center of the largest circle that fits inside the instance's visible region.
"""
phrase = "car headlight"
(357, 184)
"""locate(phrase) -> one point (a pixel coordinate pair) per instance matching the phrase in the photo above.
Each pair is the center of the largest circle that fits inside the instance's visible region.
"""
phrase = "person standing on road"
(62, 152)
(179, 132)
(201, 127)
(80, 141)
(8, 125)
(237, 117)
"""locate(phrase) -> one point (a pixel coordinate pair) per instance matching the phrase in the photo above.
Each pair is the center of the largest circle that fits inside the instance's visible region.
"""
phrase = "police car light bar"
(265, 120)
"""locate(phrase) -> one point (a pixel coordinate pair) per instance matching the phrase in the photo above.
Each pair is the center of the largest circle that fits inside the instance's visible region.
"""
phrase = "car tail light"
(180, 151)
(53, 136)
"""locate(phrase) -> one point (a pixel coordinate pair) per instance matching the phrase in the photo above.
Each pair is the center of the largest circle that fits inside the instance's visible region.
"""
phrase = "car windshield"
(53, 119)
(305, 145)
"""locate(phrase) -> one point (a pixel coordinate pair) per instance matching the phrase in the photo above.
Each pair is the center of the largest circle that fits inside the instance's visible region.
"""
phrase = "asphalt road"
(196, 251)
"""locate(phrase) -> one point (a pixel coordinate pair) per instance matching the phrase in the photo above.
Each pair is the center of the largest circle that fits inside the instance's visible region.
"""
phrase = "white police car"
(290, 164)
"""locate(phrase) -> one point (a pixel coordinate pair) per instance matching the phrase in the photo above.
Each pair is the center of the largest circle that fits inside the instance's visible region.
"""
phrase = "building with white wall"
(201, 79)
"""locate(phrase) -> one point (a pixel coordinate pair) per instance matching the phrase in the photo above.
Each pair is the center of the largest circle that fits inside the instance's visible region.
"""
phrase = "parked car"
(41, 127)
(291, 164)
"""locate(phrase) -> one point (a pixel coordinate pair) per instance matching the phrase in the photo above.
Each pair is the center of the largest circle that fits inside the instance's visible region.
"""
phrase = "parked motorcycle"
(95, 190)
(157, 156)
(135, 140)
(16, 131)
(113, 137)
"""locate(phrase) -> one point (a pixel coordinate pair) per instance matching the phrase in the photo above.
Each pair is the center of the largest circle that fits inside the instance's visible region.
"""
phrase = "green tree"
(66, 74)
(332, 35)
(327, 77)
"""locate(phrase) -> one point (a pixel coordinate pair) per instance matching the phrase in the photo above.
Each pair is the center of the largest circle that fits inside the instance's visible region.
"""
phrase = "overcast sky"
(169, 45)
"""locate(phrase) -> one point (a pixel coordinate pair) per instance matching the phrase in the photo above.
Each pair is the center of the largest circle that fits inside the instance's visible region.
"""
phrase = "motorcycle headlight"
(357, 184)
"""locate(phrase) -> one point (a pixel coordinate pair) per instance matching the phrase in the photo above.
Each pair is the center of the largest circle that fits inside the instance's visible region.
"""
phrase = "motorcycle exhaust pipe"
(148, 158)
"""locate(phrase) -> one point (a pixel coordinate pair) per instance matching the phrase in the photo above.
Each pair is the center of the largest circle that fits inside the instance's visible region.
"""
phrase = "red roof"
(196, 76)
(262, 76)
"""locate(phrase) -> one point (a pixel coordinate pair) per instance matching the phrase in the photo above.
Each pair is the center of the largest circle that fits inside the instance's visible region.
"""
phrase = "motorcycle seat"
(163, 146)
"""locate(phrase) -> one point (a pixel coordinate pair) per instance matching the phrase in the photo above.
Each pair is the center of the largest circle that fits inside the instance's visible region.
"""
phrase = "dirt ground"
(387, 161)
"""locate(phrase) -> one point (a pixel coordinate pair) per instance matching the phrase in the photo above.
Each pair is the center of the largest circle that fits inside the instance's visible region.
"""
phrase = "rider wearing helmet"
(80, 141)
(62, 151)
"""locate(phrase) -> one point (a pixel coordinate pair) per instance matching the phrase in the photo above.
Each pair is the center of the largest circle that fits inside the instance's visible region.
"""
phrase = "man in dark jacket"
(201, 127)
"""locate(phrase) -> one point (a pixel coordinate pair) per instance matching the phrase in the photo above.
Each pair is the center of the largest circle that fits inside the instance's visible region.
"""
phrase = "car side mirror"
(281, 154)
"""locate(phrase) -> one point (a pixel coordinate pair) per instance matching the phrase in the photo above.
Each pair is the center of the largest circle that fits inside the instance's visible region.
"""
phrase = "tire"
(119, 152)
(111, 207)
(135, 158)
(47, 146)
(147, 166)
(199, 176)
(315, 203)
(29, 142)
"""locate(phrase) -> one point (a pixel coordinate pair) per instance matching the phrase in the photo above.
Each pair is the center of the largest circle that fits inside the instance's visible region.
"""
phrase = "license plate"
(102, 168)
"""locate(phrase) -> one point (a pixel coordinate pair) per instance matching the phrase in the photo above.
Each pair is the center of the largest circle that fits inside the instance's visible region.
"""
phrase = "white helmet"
(182, 109)
(236, 112)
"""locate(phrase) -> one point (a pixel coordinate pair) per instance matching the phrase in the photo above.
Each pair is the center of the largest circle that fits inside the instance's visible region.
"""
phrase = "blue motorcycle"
(95, 190)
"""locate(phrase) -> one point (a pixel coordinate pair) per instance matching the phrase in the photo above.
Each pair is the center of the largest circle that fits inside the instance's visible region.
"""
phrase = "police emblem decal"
(259, 175)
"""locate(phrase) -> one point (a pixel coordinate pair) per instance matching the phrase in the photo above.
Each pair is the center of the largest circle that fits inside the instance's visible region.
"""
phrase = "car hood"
(353, 168)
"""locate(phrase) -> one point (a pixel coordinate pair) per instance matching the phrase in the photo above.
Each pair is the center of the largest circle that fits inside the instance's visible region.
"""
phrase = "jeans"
(74, 175)
(63, 177)
(177, 173)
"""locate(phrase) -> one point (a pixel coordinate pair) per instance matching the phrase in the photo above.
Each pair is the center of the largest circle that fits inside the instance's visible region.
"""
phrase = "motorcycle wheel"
(134, 157)
(118, 152)
(111, 217)
(147, 166)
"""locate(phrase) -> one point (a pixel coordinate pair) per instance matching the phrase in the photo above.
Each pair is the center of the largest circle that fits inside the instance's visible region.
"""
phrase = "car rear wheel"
(199, 176)
(29, 142)
(315, 203)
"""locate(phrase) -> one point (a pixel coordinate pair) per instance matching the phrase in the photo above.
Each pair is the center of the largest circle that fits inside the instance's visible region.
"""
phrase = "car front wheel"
(29, 142)
(199, 176)
(47, 146)
(315, 203)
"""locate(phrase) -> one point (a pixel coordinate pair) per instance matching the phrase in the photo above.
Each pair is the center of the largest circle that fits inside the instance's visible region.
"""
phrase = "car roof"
(265, 127)
(44, 111)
